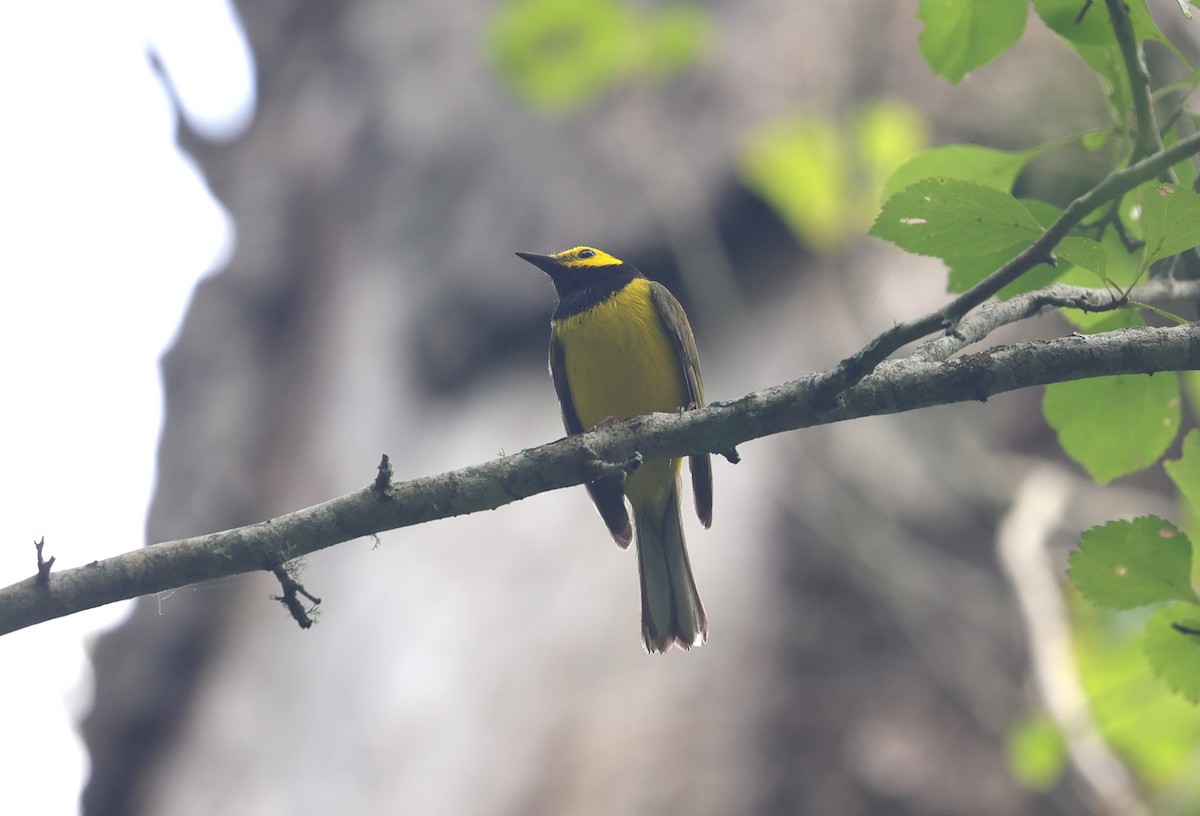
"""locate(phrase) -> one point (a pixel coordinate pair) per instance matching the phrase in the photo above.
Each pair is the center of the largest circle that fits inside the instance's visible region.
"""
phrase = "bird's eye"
(587, 253)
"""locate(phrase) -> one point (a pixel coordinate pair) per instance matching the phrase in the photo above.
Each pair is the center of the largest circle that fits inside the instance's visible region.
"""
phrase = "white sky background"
(104, 229)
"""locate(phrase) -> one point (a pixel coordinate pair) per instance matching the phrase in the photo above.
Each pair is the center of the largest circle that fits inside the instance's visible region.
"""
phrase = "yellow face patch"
(581, 256)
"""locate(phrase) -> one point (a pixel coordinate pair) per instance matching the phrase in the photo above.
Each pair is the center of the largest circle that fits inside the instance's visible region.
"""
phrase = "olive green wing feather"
(606, 494)
(680, 331)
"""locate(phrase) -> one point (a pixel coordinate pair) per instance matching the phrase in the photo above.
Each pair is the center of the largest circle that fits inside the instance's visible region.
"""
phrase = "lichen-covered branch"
(896, 385)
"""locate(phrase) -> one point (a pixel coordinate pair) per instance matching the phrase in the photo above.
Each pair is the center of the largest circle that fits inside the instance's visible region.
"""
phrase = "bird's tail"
(671, 608)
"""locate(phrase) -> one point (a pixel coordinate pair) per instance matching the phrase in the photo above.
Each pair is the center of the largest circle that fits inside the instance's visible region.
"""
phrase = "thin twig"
(1147, 139)
(1113, 217)
(1149, 135)
(992, 316)
(858, 365)
(292, 590)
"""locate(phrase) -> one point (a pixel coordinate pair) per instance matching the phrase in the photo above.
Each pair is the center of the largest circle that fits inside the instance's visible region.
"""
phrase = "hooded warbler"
(621, 346)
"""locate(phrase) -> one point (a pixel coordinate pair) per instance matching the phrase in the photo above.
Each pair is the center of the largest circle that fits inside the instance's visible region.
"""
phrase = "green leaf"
(887, 133)
(674, 38)
(1185, 471)
(1144, 26)
(948, 218)
(1037, 753)
(822, 177)
(800, 166)
(983, 165)
(1120, 263)
(1190, 522)
(1097, 322)
(1089, 267)
(1108, 64)
(1185, 170)
(1127, 564)
(1062, 17)
(1173, 648)
(1170, 218)
(558, 55)
(966, 272)
(1095, 27)
(1093, 39)
(1120, 268)
(1191, 387)
(1085, 253)
(961, 35)
(1153, 731)
(1114, 426)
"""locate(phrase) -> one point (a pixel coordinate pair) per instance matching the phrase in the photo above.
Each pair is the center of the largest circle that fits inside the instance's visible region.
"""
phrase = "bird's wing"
(606, 493)
(680, 331)
(558, 372)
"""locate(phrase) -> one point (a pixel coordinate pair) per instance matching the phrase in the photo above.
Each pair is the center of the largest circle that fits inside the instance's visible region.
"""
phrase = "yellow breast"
(619, 360)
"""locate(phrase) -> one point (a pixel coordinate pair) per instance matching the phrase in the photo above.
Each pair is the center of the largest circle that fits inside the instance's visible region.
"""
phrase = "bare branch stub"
(43, 564)
(383, 478)
(292, 590)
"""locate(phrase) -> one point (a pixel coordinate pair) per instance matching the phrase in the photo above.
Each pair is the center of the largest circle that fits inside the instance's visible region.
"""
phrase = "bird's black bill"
(546, 263)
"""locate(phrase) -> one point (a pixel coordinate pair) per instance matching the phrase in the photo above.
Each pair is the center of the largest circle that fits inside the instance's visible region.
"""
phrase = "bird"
(621, 346)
